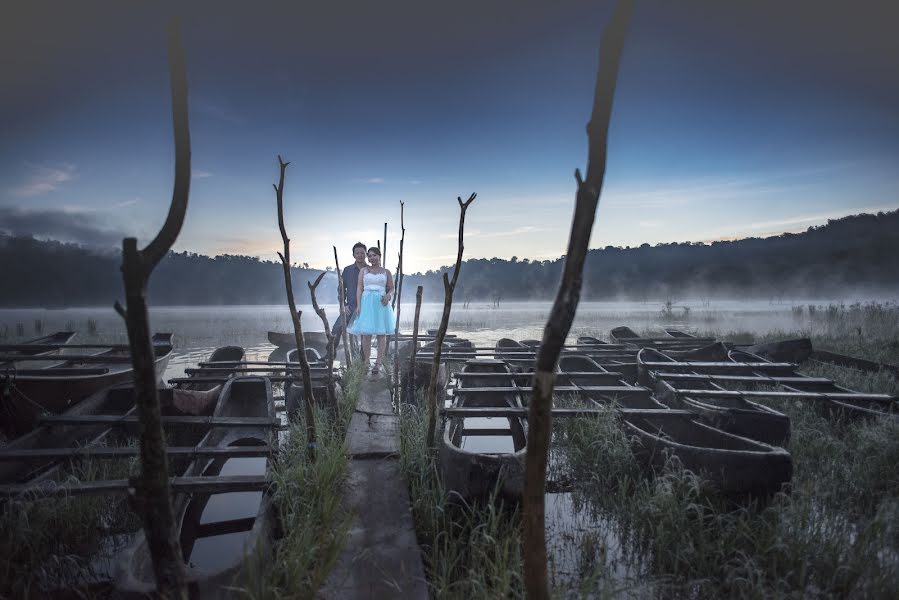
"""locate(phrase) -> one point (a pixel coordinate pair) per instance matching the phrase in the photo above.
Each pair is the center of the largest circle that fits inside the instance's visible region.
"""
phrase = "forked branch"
(151, 488)
(296, 317)
(565, 305)
(448, 288)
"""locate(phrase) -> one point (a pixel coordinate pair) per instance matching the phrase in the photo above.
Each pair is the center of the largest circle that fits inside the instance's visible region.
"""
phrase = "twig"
(151, 489)
(448, 288)
(398, 305)
(332, 347)
(418, 292)
(296, 316)
(562, 315)
(341, 292)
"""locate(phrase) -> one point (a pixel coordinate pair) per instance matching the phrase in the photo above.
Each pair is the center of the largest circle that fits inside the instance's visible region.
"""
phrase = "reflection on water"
(218, 551)
(493, 444)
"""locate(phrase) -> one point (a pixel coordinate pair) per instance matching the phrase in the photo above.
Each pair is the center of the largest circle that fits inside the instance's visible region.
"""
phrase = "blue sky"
(730, 120)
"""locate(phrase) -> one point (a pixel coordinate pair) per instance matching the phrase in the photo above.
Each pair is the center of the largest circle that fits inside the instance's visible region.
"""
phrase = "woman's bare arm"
(359, 289)
(388, 288)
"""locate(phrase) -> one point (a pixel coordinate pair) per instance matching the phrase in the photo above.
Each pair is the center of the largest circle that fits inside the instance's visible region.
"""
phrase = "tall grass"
(307, 497)
(470, 551)
(51, 543)
(835, 535)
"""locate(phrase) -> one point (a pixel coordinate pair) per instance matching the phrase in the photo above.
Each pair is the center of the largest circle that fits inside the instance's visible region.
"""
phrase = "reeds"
(308, 500)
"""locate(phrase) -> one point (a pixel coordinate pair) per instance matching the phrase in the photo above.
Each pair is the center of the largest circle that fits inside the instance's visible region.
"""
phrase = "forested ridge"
(858, 254)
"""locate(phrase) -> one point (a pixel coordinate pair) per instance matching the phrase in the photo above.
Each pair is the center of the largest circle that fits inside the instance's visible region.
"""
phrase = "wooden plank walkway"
(381, 558)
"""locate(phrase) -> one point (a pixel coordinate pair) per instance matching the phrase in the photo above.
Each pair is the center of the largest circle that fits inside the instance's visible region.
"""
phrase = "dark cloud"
(82, 227)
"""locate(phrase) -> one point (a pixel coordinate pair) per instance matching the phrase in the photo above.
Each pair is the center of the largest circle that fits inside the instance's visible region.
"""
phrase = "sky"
(730, 120)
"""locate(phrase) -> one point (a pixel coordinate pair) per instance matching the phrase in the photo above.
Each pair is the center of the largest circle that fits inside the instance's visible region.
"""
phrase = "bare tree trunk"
(448, 287)
(418, 292)
(562, 315)
(341, 290)
(397, 303)
(384, 249)
(151, 489)
(296, 316)
(332, 346)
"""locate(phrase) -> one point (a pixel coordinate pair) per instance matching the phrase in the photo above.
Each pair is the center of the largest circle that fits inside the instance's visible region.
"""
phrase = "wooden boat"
(850, 362)
(626, 335)
(311, 339)
(226, 355)
(589, 340)
(115, 401)
(679, 334)
(477, 457)
(623, 334)
(240, 397)
(43, 346)
(860, 408)
(733, 465)
(732, 414)
(313, 356)
(531, 343)
(515, 353)
(794, 351)
(61, 385)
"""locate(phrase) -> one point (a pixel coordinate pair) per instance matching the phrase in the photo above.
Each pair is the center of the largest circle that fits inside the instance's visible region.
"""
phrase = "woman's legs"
(382, 350)
(366, 350)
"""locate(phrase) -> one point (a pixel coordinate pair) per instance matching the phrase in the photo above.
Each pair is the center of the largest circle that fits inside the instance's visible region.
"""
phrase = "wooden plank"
(224, 527)
(742, 378)
(272, 378)
(56, 372)
(572, 389)
(126, 452)
(484, 432)
(47, 347)
(561, 374)
(212, 371)
(133, 419)
(500, 411)
(726, 366)
(202, 485)
(77, 358)
(775, 394)
(272, 366)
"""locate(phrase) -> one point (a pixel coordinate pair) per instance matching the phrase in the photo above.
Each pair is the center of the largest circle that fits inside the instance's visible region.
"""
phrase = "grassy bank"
(623, 533)
(307, 497)
(53, 543)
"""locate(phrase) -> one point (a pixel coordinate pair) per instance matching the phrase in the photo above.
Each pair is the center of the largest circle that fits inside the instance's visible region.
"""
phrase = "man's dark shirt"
(350, 285)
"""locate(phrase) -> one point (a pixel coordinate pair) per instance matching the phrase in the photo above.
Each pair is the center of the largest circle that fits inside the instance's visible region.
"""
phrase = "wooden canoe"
(589, 340)
(311, 339)
(626, 335)
(735, 415)
(862, 408)
(794, 351)
(240, 397)
(850, 362)
(62, 385)
(732, 464)
(39, 348)
(113, 401)
(478, 458)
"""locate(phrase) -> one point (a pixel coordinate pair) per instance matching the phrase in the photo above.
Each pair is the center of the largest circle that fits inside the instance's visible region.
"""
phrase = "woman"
(374, 316)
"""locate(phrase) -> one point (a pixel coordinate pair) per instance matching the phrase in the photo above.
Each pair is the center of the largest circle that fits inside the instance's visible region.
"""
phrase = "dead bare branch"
(448, 288)
(562, 315)
(151, 489)
(296, 317)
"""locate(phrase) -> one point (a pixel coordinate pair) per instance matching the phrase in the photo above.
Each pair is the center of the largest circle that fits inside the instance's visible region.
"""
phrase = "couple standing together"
(369, 289)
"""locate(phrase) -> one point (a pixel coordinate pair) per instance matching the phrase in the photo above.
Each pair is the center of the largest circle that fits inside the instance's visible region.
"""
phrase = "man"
(350, 283)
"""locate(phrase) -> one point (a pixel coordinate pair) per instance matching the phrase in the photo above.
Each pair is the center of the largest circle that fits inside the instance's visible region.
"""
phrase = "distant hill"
(855, 254)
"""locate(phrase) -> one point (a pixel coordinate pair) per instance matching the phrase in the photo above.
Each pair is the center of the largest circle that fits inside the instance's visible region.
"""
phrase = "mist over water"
(207, 327)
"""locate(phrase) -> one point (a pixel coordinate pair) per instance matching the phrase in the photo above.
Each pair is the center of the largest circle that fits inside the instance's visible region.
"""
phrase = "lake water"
(199, 330)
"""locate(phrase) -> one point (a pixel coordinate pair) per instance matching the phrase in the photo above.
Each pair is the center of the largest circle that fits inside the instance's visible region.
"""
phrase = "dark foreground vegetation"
(858, 253)
(69, 545)
(834, 533)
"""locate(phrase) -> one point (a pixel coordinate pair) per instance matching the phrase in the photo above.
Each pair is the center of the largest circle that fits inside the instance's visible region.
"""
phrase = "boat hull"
(241, 396)
(474, 476)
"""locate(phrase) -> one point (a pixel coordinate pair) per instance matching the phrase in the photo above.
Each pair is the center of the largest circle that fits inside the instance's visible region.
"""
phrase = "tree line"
(858, 254)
